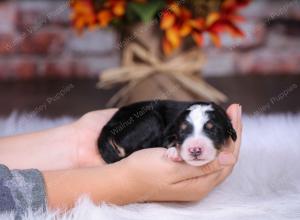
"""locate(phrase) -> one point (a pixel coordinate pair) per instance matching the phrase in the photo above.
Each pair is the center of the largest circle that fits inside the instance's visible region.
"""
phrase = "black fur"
(222, 128)
(156, 124)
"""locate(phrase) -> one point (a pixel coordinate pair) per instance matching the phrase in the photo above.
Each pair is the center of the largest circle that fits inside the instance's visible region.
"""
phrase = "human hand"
(149, 176)
(86, 133)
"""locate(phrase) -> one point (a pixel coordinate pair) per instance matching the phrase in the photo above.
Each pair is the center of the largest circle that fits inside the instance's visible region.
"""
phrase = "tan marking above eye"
(183, 126)
(209, 125)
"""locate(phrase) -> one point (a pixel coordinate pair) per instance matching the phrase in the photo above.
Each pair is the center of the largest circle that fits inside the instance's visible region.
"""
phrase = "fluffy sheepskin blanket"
(265, 183)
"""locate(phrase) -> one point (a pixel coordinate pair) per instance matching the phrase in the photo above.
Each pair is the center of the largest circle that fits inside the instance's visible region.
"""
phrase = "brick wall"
(36, 40)
(271, 45)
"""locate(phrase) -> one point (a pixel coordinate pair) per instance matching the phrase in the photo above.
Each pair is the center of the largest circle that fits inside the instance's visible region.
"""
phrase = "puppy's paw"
(173, 154)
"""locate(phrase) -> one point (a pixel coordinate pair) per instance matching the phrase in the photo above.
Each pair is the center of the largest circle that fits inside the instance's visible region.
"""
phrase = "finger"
(231, 112)
(239, 132)
(234, 112)
(185, 171)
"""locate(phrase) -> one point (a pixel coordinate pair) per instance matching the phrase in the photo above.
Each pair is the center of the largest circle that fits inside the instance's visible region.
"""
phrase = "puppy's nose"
(195, 151)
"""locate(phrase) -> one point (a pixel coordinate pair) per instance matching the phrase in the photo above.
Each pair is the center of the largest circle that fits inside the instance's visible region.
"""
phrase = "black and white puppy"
(192, 131)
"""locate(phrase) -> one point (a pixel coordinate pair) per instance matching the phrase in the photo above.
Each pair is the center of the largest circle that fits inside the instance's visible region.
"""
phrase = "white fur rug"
(264, 185)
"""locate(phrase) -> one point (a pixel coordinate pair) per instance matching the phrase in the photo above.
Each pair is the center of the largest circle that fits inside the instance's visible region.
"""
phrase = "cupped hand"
(152, 177)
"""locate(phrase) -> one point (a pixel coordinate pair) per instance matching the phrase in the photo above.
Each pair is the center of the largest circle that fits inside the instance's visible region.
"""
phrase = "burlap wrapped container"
(148, 75)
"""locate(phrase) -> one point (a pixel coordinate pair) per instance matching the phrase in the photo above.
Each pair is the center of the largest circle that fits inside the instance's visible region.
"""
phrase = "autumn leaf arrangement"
(162, 56)
(179, 21)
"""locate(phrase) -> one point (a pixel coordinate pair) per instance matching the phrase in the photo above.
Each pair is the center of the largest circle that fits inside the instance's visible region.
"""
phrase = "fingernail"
(226, 159)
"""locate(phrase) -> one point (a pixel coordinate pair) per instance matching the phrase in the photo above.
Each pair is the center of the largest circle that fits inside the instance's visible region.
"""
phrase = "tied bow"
(184, 69)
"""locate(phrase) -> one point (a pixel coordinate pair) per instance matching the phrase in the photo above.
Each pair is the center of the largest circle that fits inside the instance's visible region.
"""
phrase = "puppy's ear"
(230, 131)
(226, 120)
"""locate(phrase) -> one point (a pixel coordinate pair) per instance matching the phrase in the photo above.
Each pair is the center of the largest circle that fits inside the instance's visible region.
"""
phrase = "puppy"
(191, 131)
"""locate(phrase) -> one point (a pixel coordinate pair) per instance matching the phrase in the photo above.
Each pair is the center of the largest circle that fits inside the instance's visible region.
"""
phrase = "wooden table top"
(256, 93)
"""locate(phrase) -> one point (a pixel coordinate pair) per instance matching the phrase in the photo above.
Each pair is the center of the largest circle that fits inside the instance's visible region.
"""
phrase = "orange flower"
(111, 9)
(83, 14)
(177, 23)
(224, 21)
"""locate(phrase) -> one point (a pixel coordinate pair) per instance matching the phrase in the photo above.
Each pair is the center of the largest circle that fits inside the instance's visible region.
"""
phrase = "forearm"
(43, 150)
(101, 184)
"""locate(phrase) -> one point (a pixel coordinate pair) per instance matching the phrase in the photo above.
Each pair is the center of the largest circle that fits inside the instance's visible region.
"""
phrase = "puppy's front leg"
(173, 154)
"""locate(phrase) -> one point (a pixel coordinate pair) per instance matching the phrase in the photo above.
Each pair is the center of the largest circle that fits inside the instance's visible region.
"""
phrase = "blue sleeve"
(21, 190)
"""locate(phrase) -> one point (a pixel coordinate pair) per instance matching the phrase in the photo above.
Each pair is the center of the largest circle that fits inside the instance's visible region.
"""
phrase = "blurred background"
(48, 69)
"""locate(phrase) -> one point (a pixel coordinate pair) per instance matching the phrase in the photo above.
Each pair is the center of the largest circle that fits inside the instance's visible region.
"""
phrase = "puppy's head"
(201, 131)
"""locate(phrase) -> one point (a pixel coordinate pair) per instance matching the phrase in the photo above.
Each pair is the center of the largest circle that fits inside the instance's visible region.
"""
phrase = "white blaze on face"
(198, 118)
